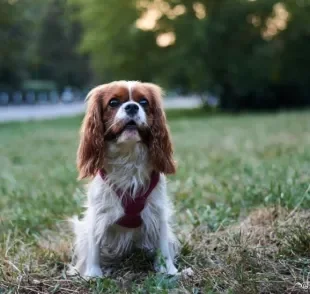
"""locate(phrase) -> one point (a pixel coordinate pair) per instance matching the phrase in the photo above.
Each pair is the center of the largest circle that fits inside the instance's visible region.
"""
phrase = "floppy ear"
(90, 155)
(161, 150)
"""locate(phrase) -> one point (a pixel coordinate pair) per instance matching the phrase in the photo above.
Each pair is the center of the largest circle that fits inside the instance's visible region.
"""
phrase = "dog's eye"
(114, 102)
(143, 102)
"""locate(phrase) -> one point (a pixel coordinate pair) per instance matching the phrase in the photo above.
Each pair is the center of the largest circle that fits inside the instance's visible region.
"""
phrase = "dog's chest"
(133, 201)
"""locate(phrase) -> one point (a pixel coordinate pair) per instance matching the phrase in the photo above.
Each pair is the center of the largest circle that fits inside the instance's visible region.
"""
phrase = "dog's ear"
(160, 148)
(90, 155)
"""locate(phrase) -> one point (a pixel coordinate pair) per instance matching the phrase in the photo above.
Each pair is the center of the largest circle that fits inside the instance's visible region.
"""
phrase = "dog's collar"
(133, 206)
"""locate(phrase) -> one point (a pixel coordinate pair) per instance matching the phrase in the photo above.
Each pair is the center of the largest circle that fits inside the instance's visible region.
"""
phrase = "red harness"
(133, 206)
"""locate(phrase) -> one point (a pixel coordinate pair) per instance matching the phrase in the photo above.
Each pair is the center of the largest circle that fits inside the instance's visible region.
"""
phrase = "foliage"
(121, 50)
(258, 53)
(253, 54)
(113, 41)
(38, 41)
(57, 38)
(12, 43)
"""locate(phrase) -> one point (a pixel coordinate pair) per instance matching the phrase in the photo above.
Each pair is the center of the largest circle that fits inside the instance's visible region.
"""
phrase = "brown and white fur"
(128, 156)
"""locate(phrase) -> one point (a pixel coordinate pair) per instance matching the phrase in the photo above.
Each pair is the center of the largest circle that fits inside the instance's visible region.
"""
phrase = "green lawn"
(241, 194)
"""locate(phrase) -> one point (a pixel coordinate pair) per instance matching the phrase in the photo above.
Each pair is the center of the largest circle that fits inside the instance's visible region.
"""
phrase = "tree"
(58, 59)
(11, 44)
(252, 54)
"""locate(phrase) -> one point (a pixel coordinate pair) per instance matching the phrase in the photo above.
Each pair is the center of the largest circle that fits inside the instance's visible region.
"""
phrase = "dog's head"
(124, 113)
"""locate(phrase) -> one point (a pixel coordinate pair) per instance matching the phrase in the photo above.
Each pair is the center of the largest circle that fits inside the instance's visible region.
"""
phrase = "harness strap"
(133, 206)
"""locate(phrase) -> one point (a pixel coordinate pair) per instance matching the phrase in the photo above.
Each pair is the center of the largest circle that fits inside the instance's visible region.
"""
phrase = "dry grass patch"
(268, 252)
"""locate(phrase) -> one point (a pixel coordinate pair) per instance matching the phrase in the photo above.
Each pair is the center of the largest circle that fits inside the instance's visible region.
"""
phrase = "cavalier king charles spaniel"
(125, 148)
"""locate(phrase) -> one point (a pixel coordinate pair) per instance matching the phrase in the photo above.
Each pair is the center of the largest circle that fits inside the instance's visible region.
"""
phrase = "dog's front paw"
(168, 269)
(171, 270)
(93, 272)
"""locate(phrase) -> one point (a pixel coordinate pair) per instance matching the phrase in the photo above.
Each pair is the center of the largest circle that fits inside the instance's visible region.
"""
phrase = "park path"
(50, 111)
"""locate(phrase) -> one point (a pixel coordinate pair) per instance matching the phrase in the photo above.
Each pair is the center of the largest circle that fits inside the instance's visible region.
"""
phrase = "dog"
(126, 150)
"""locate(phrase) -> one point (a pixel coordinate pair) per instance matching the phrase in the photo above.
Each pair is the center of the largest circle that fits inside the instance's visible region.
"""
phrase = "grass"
(241, 194)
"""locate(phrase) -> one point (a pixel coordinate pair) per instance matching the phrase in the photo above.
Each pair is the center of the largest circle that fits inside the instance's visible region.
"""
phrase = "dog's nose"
(131, 109)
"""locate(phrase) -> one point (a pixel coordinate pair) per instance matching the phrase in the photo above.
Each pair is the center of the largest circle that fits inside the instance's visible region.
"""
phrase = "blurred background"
(231, 54)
